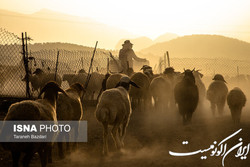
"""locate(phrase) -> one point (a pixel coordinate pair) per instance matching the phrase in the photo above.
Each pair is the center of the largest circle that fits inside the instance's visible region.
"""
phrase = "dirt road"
(150, 137)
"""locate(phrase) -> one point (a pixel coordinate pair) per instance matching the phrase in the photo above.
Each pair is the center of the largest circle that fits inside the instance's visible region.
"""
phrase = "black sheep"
(187, 96)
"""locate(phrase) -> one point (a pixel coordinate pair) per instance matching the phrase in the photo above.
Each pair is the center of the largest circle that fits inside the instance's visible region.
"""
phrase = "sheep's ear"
(201, 75)
(193, 70)
(79, 87)
(61, 90)
(134, 84)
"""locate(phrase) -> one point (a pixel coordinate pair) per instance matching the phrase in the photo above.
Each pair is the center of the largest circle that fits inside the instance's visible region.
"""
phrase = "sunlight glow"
(151, 18)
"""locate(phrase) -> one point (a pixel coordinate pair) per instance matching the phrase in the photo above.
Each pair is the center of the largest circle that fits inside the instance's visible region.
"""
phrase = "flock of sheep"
(117, 94)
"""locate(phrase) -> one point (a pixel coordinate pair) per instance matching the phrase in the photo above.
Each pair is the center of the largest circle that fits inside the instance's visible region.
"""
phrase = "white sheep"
(113, 80)
(114, 109)
(94, 85)
(236, 100)
(39, 80)
(69, 77)
(39, 110)
(46, 77)
(69, 108)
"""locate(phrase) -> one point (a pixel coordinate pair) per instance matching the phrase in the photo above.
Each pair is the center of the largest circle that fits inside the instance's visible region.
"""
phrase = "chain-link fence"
(11, 65)
(12, 71)
(68, 61)
(209, 67)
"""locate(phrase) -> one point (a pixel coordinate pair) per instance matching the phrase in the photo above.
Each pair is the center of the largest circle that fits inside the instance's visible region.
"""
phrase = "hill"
(165, 37)
(201, 46)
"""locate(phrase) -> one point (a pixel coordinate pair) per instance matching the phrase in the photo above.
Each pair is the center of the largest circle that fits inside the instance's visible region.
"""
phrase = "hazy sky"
(153, 17)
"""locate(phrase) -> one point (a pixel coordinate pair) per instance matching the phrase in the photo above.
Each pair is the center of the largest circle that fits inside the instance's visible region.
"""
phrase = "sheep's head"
(219, 77)
(169, 71)
(146, 67)
(125, 82)
(79, 88)
(188, 75)
(147, 70)
(81, 71)
(197, 74)
(51, 90)
(38, 71)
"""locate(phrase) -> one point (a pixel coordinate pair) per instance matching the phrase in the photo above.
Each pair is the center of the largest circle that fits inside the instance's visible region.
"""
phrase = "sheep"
(217, 94)
(139, 96)
(110, 81)
(94, 86)
(173, 78)
(186, 96)
(113, 80)
(236, 100)
(40, 110)
(114, 109)
(147, 70)
(47, 77)
(200, 85)
(70, 108)
(68, 78)
(35, 82)
(160, 90)
(41, 78)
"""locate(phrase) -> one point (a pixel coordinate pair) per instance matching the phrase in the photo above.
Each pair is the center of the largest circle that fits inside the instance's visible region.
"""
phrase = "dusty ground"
(150, 137)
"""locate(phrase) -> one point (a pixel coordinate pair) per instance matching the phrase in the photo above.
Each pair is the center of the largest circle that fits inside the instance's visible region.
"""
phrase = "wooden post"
(107, 65)
(57, 57)
(165, 61)
(160, 64)
(238, 75)
(90, 66)
(82, 62)
(168, 59)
